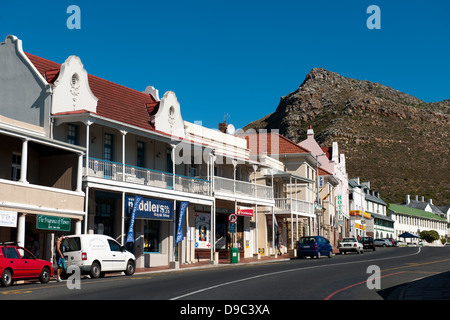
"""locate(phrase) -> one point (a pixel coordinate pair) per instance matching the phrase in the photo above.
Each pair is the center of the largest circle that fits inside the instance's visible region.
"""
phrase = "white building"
(368, 213)
(414, 221)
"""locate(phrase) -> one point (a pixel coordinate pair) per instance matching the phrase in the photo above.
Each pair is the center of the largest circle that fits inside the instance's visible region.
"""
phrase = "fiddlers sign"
(150, 208)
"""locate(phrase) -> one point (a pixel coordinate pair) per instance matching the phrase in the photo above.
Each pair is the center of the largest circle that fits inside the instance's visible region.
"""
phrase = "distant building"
(416, 215)
(334, 163)
(414, 221)
(368, 214)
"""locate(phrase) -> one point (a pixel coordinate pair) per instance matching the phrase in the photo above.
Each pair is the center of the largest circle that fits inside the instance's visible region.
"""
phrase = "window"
(71, 244)
(140, 154)
(72, 134)
(109, 147)
(151, 236)
(15, 166)
(114, 246)
(10, 253)
(169, 163)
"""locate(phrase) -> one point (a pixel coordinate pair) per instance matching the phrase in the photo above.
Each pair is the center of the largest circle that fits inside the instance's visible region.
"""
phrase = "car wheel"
(45, 275)
(318, 254)
(96, 271)
(330, 254)
(130, 268)
(6, 279)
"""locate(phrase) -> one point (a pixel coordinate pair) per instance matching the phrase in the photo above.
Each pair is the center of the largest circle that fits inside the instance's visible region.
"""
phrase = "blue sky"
(239, 57)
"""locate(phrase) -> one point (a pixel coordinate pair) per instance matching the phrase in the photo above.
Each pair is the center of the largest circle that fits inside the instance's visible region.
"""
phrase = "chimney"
(417, 197)
(223, 127)
(407, 199)
(430, 201)
(310, 132)
(422, 199)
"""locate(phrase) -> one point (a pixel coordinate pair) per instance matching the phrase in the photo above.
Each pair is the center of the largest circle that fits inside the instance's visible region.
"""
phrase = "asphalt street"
(379, 275)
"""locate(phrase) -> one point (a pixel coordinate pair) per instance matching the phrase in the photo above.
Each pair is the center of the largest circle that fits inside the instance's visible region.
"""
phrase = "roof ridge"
(90, 75)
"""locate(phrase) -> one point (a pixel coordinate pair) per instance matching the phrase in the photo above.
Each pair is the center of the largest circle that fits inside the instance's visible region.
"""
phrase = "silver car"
(381, 243)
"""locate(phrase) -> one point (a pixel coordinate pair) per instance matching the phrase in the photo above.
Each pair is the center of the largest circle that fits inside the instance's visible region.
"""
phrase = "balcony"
(294, 205)
(147, 177)
(242, 189)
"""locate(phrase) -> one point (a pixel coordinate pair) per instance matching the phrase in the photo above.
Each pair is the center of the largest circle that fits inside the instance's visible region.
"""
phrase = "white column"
(21, 230)
(24, 161)
(124, 133)
(79, 172)
(78, 227)
(87, 123)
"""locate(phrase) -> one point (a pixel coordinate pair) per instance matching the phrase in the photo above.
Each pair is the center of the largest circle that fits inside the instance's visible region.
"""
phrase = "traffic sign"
(232, 218)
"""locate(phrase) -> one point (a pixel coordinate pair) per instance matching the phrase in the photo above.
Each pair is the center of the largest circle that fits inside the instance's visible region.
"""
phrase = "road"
(343, 277)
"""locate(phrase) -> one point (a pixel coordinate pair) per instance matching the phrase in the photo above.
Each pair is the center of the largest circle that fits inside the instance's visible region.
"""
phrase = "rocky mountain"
(396, 141)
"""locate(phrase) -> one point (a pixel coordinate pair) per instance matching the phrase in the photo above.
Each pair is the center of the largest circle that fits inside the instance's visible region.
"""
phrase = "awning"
(408, 235)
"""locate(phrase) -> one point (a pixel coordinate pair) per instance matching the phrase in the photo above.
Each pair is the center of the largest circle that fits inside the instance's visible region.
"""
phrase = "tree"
(429, 235)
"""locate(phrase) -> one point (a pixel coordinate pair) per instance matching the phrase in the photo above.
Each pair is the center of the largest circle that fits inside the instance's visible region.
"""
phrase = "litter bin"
(234, 255)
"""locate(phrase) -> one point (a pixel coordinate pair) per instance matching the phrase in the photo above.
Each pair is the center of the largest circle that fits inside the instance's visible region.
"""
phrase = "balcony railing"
(114, 171)
(287, 204)
(242, 188)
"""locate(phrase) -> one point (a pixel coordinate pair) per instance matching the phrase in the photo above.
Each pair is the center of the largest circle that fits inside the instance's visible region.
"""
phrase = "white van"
(96, 254)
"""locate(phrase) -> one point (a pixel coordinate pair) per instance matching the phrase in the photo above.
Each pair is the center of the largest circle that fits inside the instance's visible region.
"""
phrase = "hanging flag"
(130, 235)
(183, 209)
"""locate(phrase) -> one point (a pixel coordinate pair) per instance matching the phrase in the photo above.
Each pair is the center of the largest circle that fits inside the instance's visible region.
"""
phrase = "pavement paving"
(436, 287)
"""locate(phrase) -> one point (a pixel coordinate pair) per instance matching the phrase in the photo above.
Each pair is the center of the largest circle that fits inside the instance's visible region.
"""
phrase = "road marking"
(285, 271)
(408, 265)
(359, 283)
(19, 291)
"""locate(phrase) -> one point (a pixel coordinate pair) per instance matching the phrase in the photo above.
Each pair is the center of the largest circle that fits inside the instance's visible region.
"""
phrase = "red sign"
(244, 211)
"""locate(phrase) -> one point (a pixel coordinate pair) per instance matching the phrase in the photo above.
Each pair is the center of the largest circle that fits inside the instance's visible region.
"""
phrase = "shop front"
(150, 236)
(234, 228)
(35, 232)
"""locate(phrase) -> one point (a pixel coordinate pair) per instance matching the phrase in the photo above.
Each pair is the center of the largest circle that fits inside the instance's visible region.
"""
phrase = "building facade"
(333, 162)
(40, 177)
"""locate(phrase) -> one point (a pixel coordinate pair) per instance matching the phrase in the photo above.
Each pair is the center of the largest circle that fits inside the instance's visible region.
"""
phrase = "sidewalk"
(209, 264)
(435, 287)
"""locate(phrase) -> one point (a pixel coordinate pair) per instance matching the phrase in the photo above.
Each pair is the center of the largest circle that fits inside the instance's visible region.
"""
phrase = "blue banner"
(130, 235)
(183, 209)
(149, 209)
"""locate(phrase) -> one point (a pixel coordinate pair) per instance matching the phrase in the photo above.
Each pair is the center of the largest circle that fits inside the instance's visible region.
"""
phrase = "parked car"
(368, 243)
(97, 254)
(349, 245)
(393, 242)
(314, 246)
(381, 242)
(17, 263)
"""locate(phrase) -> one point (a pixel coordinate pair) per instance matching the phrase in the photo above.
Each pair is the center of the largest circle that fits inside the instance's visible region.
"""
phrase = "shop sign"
(183, 208)
(52, 223)
(8, 219)
(150, 209)
(244, 211)
(355, 212)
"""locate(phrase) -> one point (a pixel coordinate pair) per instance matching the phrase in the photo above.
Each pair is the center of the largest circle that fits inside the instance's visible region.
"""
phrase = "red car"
(17, 263)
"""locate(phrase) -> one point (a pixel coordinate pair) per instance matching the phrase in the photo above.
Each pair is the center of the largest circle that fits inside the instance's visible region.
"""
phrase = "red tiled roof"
(327, 151)
(261, 143)
(323, 172)
(115, 102)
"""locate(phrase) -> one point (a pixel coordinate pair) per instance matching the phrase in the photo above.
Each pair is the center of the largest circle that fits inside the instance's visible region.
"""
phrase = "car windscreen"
(348, 240)
(71, 244)
(307, 240)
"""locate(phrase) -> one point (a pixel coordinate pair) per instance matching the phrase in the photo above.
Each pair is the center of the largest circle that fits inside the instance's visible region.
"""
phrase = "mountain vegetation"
(396, 141)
